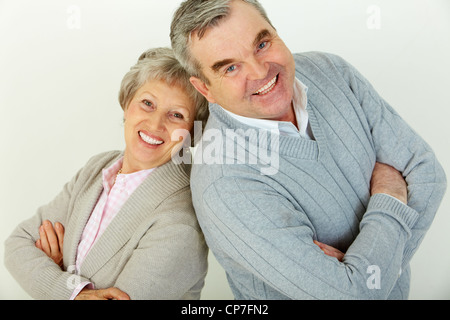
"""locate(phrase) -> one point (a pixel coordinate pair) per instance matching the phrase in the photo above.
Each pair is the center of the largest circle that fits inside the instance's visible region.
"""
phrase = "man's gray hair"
(198, 16)
(160, 64)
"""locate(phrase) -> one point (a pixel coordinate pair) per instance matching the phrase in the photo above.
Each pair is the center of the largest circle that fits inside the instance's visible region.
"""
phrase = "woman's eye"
(148, 103)
(178, 116)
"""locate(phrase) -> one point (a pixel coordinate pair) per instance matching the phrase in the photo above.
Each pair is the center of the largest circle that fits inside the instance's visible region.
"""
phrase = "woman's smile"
(150, 139)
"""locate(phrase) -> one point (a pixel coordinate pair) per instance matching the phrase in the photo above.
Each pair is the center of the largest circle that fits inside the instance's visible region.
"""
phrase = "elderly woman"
(124, 226)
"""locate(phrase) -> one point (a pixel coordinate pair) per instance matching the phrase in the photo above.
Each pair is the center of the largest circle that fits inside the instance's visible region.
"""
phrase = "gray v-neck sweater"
(261, 199)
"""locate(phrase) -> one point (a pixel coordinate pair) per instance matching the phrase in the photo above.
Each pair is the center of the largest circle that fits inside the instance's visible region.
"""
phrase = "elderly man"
(281, 233)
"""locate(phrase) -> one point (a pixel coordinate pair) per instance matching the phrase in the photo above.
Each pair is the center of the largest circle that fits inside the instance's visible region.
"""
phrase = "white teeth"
(267, 88)
(150, 140)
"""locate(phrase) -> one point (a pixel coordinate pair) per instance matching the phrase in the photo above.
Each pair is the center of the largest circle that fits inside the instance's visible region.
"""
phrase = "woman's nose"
(156, 121)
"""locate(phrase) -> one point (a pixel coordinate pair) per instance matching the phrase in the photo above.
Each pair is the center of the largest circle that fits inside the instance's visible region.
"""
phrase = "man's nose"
(257, 69)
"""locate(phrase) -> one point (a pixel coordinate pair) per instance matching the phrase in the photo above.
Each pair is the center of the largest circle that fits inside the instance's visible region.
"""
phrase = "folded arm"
(51, 243)
(33, 269)
(253, 228)
(385, 180)
(399, 146)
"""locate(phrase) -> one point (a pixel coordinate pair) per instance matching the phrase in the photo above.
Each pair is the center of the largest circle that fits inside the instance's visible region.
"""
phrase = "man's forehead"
(221, 43)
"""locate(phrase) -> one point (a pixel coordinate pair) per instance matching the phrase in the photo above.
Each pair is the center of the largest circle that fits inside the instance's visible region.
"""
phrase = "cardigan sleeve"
(38, 274)
(170, 261)
(398, 145)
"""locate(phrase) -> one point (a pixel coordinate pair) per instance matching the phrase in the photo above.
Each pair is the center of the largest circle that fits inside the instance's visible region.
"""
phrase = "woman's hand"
(330, 251)
(51, 241)
(102, 294)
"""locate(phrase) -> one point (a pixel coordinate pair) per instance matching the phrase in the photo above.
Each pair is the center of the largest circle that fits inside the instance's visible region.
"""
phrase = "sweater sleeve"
(398, 145)
(170, 260)
(38, 274)
(256, 232)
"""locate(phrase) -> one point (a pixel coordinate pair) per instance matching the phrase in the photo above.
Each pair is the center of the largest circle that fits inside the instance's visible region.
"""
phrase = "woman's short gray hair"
(160, 64)
(198, 16)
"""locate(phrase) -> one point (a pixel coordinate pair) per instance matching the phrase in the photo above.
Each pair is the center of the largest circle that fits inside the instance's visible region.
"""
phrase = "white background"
(61, 63)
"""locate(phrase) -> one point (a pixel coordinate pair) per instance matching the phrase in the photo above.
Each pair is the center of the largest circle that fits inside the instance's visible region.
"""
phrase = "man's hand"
(385, 179)
(330, 251)
(51, 241)
(102, 294)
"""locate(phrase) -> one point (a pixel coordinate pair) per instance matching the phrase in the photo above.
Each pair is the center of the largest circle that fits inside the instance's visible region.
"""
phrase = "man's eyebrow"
(261, 35)
(219, 64)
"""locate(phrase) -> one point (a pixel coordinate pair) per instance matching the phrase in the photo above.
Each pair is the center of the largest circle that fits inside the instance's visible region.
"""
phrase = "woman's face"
(157, 120)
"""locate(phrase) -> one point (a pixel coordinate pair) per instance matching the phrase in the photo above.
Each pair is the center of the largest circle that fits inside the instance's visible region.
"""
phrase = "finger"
(320, 244)
(330, 251)
(44, 242)
(51, 237)
(59, 228)
(38, 244)
(115, 294)
(328, 247)
(334, 254)
(89, 294)
(323, 245)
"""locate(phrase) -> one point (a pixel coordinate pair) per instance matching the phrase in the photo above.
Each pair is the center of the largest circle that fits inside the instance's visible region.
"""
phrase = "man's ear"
(202, 88)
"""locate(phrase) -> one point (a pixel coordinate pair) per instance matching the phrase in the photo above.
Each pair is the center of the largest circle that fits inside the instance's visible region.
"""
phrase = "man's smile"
(267, 88)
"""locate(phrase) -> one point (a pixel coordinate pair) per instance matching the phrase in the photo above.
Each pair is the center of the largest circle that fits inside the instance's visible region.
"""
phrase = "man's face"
(250, 69)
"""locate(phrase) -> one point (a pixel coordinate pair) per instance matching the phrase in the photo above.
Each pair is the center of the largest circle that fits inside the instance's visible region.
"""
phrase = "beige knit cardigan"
(153, 248)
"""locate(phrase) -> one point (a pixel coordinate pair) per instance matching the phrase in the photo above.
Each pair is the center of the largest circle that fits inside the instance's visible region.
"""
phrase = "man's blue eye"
(231, 69)
(262, 45)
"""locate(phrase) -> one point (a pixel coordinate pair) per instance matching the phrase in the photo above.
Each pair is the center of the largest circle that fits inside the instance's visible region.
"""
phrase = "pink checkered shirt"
(116, 191)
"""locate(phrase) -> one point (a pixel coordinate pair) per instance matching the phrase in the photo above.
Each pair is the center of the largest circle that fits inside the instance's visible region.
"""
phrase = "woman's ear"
(202, 88)
(125, 111)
